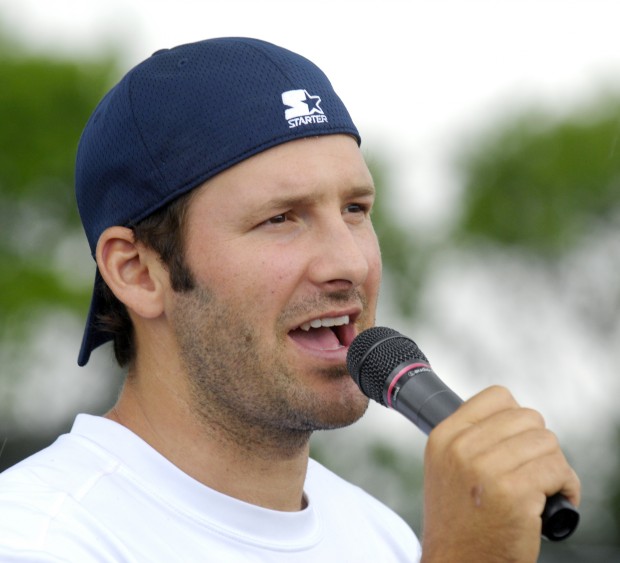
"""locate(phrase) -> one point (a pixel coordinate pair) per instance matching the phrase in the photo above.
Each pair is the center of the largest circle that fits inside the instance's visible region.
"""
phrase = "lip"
(352, 313)
(346, 334)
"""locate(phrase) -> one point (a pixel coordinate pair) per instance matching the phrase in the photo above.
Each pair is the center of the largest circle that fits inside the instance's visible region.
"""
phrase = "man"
(227, 204)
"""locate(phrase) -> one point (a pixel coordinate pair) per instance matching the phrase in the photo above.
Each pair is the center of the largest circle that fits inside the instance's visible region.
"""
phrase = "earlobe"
(132, 271)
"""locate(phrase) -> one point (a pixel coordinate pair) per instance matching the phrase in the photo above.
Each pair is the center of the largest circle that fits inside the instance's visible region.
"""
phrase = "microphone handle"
(431, 402)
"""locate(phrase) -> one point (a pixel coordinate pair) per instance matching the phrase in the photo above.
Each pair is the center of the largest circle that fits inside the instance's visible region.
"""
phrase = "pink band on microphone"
(399, 375)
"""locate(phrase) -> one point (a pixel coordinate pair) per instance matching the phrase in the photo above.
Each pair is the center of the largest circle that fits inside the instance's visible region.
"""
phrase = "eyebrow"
(279, 202)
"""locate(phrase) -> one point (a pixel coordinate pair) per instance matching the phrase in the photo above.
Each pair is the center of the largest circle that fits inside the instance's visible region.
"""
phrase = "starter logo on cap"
(303, 108)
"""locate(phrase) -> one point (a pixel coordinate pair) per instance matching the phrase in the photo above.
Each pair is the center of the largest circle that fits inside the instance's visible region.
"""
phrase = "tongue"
(322, 338)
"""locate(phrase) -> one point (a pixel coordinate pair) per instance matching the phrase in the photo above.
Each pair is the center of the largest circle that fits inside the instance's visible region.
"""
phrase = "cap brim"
(93, 336)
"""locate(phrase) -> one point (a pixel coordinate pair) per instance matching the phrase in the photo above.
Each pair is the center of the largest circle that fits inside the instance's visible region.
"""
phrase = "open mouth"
(326, 333)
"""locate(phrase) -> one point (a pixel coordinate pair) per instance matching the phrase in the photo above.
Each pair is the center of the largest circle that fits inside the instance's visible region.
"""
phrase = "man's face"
(287, 268)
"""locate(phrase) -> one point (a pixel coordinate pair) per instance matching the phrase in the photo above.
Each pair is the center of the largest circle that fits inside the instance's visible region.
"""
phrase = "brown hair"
(164, 232)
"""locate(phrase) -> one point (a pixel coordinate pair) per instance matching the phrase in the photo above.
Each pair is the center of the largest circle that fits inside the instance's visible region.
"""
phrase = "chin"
(342, 413)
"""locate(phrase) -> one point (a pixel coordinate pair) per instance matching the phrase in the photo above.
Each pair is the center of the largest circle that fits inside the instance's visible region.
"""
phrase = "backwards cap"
(181, 117)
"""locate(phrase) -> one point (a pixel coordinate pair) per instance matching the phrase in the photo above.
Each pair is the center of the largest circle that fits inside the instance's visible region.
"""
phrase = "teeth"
(330, 321)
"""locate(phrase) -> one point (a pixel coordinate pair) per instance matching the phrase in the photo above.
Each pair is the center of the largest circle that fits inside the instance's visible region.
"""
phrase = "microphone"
(390, 369)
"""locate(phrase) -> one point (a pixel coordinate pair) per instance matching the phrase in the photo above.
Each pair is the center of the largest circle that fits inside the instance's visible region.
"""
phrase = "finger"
(529, 485)
(551, 474)
(488, 402)
(518, 449)
(499, 427)
(525, 468)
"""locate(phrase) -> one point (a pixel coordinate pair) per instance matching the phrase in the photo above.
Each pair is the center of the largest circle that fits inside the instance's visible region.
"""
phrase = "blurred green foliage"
(539, 184)
(44, 104)
(405, 257)
(540, 181)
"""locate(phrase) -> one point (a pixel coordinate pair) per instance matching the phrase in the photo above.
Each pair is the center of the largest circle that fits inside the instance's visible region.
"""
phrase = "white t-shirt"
(102, 494)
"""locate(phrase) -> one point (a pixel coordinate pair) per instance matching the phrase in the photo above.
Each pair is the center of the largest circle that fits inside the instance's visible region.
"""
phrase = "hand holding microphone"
(390, 369)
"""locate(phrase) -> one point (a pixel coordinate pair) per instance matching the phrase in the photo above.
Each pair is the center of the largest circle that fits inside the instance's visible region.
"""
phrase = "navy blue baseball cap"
(181, 117)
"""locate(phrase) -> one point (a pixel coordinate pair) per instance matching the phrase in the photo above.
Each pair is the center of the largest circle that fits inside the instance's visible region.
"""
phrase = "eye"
(357, 208)
(277, 219)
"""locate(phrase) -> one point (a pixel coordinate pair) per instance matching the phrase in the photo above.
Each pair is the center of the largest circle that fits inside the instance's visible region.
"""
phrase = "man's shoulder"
(47, 490)
(60, 466)
(42, 482)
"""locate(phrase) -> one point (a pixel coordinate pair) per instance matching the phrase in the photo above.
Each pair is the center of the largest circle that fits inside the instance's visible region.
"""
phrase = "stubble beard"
(246, 394)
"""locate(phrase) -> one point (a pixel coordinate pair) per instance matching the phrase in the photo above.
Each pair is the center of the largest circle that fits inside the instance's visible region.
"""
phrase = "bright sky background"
(415, 74)
(418, 76)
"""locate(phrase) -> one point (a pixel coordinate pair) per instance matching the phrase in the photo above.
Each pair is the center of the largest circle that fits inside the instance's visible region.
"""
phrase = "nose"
(342, 254)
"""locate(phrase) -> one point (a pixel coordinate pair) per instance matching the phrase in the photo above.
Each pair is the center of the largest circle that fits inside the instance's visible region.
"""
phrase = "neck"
(265, 467)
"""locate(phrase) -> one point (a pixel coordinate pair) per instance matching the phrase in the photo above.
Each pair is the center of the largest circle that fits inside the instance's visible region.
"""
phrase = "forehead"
(318, 165)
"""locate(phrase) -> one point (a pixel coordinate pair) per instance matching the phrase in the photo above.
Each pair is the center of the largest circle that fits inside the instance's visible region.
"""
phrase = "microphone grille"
(374, 354)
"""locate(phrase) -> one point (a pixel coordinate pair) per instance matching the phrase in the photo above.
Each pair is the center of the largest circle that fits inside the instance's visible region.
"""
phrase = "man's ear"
(132, 271)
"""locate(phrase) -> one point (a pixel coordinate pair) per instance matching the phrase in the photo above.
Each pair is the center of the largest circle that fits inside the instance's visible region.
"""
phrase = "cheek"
(278, 276)
(373, 256)
(252, 276)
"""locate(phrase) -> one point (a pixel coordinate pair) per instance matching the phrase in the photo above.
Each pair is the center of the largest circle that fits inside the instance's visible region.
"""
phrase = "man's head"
(178, 119)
